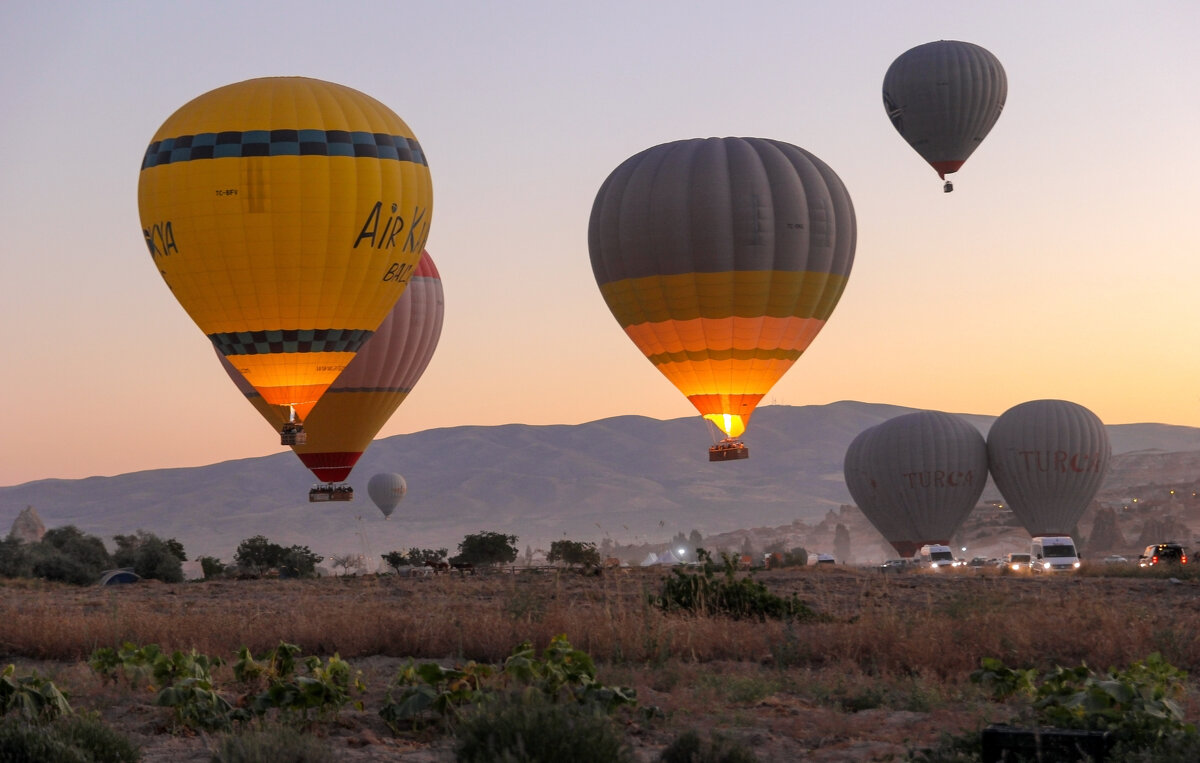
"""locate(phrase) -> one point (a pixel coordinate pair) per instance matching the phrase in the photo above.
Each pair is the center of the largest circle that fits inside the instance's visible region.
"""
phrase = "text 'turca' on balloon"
(1048, 458)
(286, 215)
(722, 259)
(917, 477)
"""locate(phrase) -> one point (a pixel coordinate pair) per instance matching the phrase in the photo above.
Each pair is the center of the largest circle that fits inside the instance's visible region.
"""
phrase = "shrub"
(689, 748)
(703, 593)
(271, 744)
(77, 738)
(528, 727)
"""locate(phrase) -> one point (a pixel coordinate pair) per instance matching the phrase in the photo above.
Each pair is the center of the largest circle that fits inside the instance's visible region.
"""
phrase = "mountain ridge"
(629, 478)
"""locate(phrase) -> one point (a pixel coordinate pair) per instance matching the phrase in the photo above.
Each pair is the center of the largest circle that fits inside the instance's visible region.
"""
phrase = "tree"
(258, 554)
(487, 548)
(396, 560)
(299, 562)
(67, 555)
(695, 540)
(574, 552)
(418, 556)
(797, 557)
(212, 566)
(149, 556)
(747, 547)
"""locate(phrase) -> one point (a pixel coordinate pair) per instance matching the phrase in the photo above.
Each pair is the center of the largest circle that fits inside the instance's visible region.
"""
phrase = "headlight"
(1016, 568)
(1076, 565)
(1045, 565)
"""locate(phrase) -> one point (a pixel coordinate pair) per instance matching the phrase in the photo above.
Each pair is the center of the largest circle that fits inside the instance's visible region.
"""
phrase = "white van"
(1053, 553)
(935, 555)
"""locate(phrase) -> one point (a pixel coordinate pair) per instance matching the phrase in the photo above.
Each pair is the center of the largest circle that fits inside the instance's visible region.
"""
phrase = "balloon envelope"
(722, 258)
(943, 98)
(374, 384)
(916, 477)
(1048, 458)
(386, 491)
(286, 215)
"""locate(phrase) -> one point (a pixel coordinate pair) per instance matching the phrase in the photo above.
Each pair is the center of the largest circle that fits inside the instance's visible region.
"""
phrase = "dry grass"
(889, 664)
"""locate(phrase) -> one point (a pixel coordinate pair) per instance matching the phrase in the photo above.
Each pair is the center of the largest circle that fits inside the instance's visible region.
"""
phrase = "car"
(1115, 559)
(1016, 562)
(894, 565)
(1163, 553)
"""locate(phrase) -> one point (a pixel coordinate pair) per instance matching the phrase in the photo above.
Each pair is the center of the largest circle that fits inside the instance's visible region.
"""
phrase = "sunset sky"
(1065, 264)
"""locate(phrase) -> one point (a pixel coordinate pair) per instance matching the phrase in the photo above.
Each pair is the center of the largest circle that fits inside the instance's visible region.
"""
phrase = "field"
(884, 669)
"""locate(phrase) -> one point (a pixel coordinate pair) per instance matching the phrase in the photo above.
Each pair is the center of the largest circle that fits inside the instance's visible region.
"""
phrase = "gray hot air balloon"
(722, 258)
(387, 490)
(943, 98)
(917, 476)
(1048, 458)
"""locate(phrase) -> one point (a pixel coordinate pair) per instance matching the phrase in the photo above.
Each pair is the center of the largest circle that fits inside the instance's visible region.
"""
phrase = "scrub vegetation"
(872, 666)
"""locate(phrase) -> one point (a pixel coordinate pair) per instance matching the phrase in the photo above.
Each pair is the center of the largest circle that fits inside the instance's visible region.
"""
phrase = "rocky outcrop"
(27, 527)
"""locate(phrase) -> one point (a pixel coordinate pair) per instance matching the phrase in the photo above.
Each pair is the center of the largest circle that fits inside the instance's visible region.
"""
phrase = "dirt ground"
(820, 709)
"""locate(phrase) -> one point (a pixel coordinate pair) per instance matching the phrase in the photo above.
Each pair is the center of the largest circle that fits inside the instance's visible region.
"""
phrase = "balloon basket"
(728, 450)
(292, 434)
(323, 493)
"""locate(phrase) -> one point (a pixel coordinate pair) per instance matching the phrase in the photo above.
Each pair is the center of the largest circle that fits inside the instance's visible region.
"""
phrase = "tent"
(117, 577)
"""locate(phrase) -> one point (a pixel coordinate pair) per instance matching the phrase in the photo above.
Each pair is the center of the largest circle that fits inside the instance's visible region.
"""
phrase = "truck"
(1053, 553)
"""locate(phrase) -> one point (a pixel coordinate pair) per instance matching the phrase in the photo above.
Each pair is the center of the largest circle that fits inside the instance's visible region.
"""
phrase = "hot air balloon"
(387, 490)
(917, 477)
(943, 98)
(1048, 458)
(374, 384)
(287, 215)
(722, 258)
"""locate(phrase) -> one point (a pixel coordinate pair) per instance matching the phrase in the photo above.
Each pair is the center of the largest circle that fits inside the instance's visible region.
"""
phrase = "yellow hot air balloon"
(287, 215)
(722, 258)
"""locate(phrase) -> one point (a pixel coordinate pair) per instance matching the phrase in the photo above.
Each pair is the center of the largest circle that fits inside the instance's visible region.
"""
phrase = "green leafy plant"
(32, 697)
(704, 593)
(1140, 705)
(198, 705)
(148, 666)
(429, 691)
(318, 693)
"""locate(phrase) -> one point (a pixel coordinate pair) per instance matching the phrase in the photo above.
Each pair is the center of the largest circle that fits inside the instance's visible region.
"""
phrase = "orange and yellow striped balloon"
(722, 258)
(362, 399)
(287, 215)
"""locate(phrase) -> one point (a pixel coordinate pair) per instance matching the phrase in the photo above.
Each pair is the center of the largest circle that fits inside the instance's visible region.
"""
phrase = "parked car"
(894, 565)
(1115, 559)
(1015, 562)
(1163, 553)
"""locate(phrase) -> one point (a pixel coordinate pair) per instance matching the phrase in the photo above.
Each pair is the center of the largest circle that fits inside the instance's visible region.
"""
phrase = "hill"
(632, 479)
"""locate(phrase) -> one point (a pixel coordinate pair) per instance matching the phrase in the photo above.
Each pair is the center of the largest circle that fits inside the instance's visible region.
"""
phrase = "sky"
(1064, 265)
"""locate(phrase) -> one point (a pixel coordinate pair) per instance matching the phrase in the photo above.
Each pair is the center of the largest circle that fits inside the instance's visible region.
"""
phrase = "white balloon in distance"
(387, 489)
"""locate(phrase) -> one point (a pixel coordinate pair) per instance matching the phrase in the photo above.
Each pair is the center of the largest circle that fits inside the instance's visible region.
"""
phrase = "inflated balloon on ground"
(916, 477)
(1048, 458)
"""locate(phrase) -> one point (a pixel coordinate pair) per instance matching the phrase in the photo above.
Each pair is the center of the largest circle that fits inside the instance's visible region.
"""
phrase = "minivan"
(935, 555)
(1053, 553)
